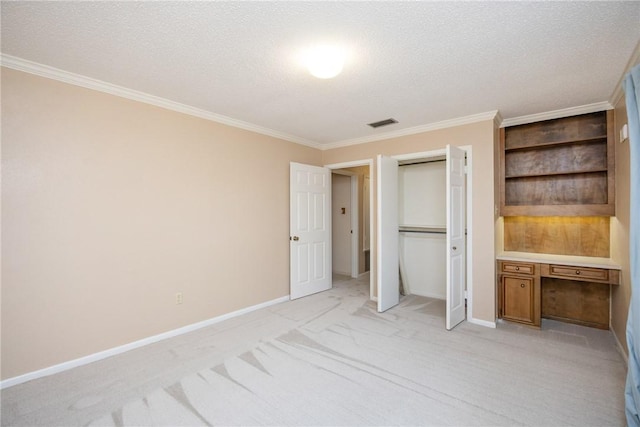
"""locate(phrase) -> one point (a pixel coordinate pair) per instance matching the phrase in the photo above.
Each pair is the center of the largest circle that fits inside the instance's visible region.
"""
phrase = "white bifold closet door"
(388, 239)
(456, 265)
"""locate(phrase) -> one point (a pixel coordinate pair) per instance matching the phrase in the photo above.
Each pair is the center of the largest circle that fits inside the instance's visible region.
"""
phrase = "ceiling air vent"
(383, 123)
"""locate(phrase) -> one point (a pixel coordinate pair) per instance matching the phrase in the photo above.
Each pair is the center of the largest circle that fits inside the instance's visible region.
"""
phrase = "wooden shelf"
(536, 175)
(535, 146)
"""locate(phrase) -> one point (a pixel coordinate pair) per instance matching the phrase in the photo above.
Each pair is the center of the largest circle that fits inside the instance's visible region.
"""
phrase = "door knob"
(296, 238)
(454, 248)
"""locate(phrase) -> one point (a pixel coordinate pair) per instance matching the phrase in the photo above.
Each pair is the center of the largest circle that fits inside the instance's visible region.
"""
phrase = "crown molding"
(619, 91)
(490, 115)
(498, 119)
(31, 67)
(556, 114)
(42, 70)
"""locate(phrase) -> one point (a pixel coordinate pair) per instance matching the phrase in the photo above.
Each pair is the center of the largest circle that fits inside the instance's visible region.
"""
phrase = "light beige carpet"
(331, 359)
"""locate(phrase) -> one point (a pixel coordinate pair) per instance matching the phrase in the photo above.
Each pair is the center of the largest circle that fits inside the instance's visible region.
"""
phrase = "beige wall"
(481, 137)
(621, 295)
(110, 207)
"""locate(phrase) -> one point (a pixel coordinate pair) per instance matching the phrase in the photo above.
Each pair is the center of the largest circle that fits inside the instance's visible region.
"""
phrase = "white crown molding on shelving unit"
(99, 85)
(556, 114)
(497, 120)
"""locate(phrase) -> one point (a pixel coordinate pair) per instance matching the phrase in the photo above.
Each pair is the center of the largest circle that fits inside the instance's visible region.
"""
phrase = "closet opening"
(422, 227)
(423, 211)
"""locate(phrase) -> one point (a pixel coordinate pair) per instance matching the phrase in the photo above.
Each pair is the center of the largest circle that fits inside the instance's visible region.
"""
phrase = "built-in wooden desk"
(567, 288)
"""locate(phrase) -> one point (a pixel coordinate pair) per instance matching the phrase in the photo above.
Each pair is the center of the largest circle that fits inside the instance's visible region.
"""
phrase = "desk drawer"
(579, 273)
(517, 267)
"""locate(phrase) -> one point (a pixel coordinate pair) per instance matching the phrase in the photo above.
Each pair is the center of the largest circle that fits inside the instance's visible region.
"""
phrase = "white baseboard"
(136, 344)
(341, 273)
(480, 322)
(623, 353)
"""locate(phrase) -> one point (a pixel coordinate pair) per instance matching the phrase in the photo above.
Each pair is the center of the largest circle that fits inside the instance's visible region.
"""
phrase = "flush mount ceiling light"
(324, 61)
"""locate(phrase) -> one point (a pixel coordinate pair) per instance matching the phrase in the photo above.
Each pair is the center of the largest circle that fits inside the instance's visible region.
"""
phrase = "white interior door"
(310, 230)
(455, 237)
(388, 265)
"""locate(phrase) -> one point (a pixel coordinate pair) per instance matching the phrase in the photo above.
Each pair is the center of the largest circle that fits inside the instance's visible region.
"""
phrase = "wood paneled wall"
(583, 303)
(582, 236)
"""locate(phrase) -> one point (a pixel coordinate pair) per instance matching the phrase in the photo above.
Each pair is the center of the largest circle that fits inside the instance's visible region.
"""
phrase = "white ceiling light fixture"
(325, 61)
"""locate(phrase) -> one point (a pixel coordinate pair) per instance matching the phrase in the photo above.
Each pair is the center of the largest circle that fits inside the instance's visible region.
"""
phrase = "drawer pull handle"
(522, 285)
(577, 272)
(517, 268)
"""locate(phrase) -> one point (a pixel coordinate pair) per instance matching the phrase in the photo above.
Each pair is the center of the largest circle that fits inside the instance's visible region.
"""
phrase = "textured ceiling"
(418, 62)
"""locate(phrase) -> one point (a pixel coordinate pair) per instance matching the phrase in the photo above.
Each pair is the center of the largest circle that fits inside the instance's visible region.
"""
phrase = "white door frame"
(469, 182)
(353, 201)
(356, 163)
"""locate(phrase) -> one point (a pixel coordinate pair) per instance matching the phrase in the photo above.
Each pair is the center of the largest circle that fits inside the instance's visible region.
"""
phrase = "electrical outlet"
(179, 298)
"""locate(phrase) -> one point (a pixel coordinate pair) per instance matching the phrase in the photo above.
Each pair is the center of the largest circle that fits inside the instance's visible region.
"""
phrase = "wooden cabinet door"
(518, 299)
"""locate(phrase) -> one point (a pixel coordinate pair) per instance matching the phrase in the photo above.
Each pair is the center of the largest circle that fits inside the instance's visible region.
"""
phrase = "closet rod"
(422, 162)
(426, 231)
(421, 230)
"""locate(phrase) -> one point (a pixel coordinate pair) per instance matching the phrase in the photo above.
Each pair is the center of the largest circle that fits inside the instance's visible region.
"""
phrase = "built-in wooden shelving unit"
(560, 167)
